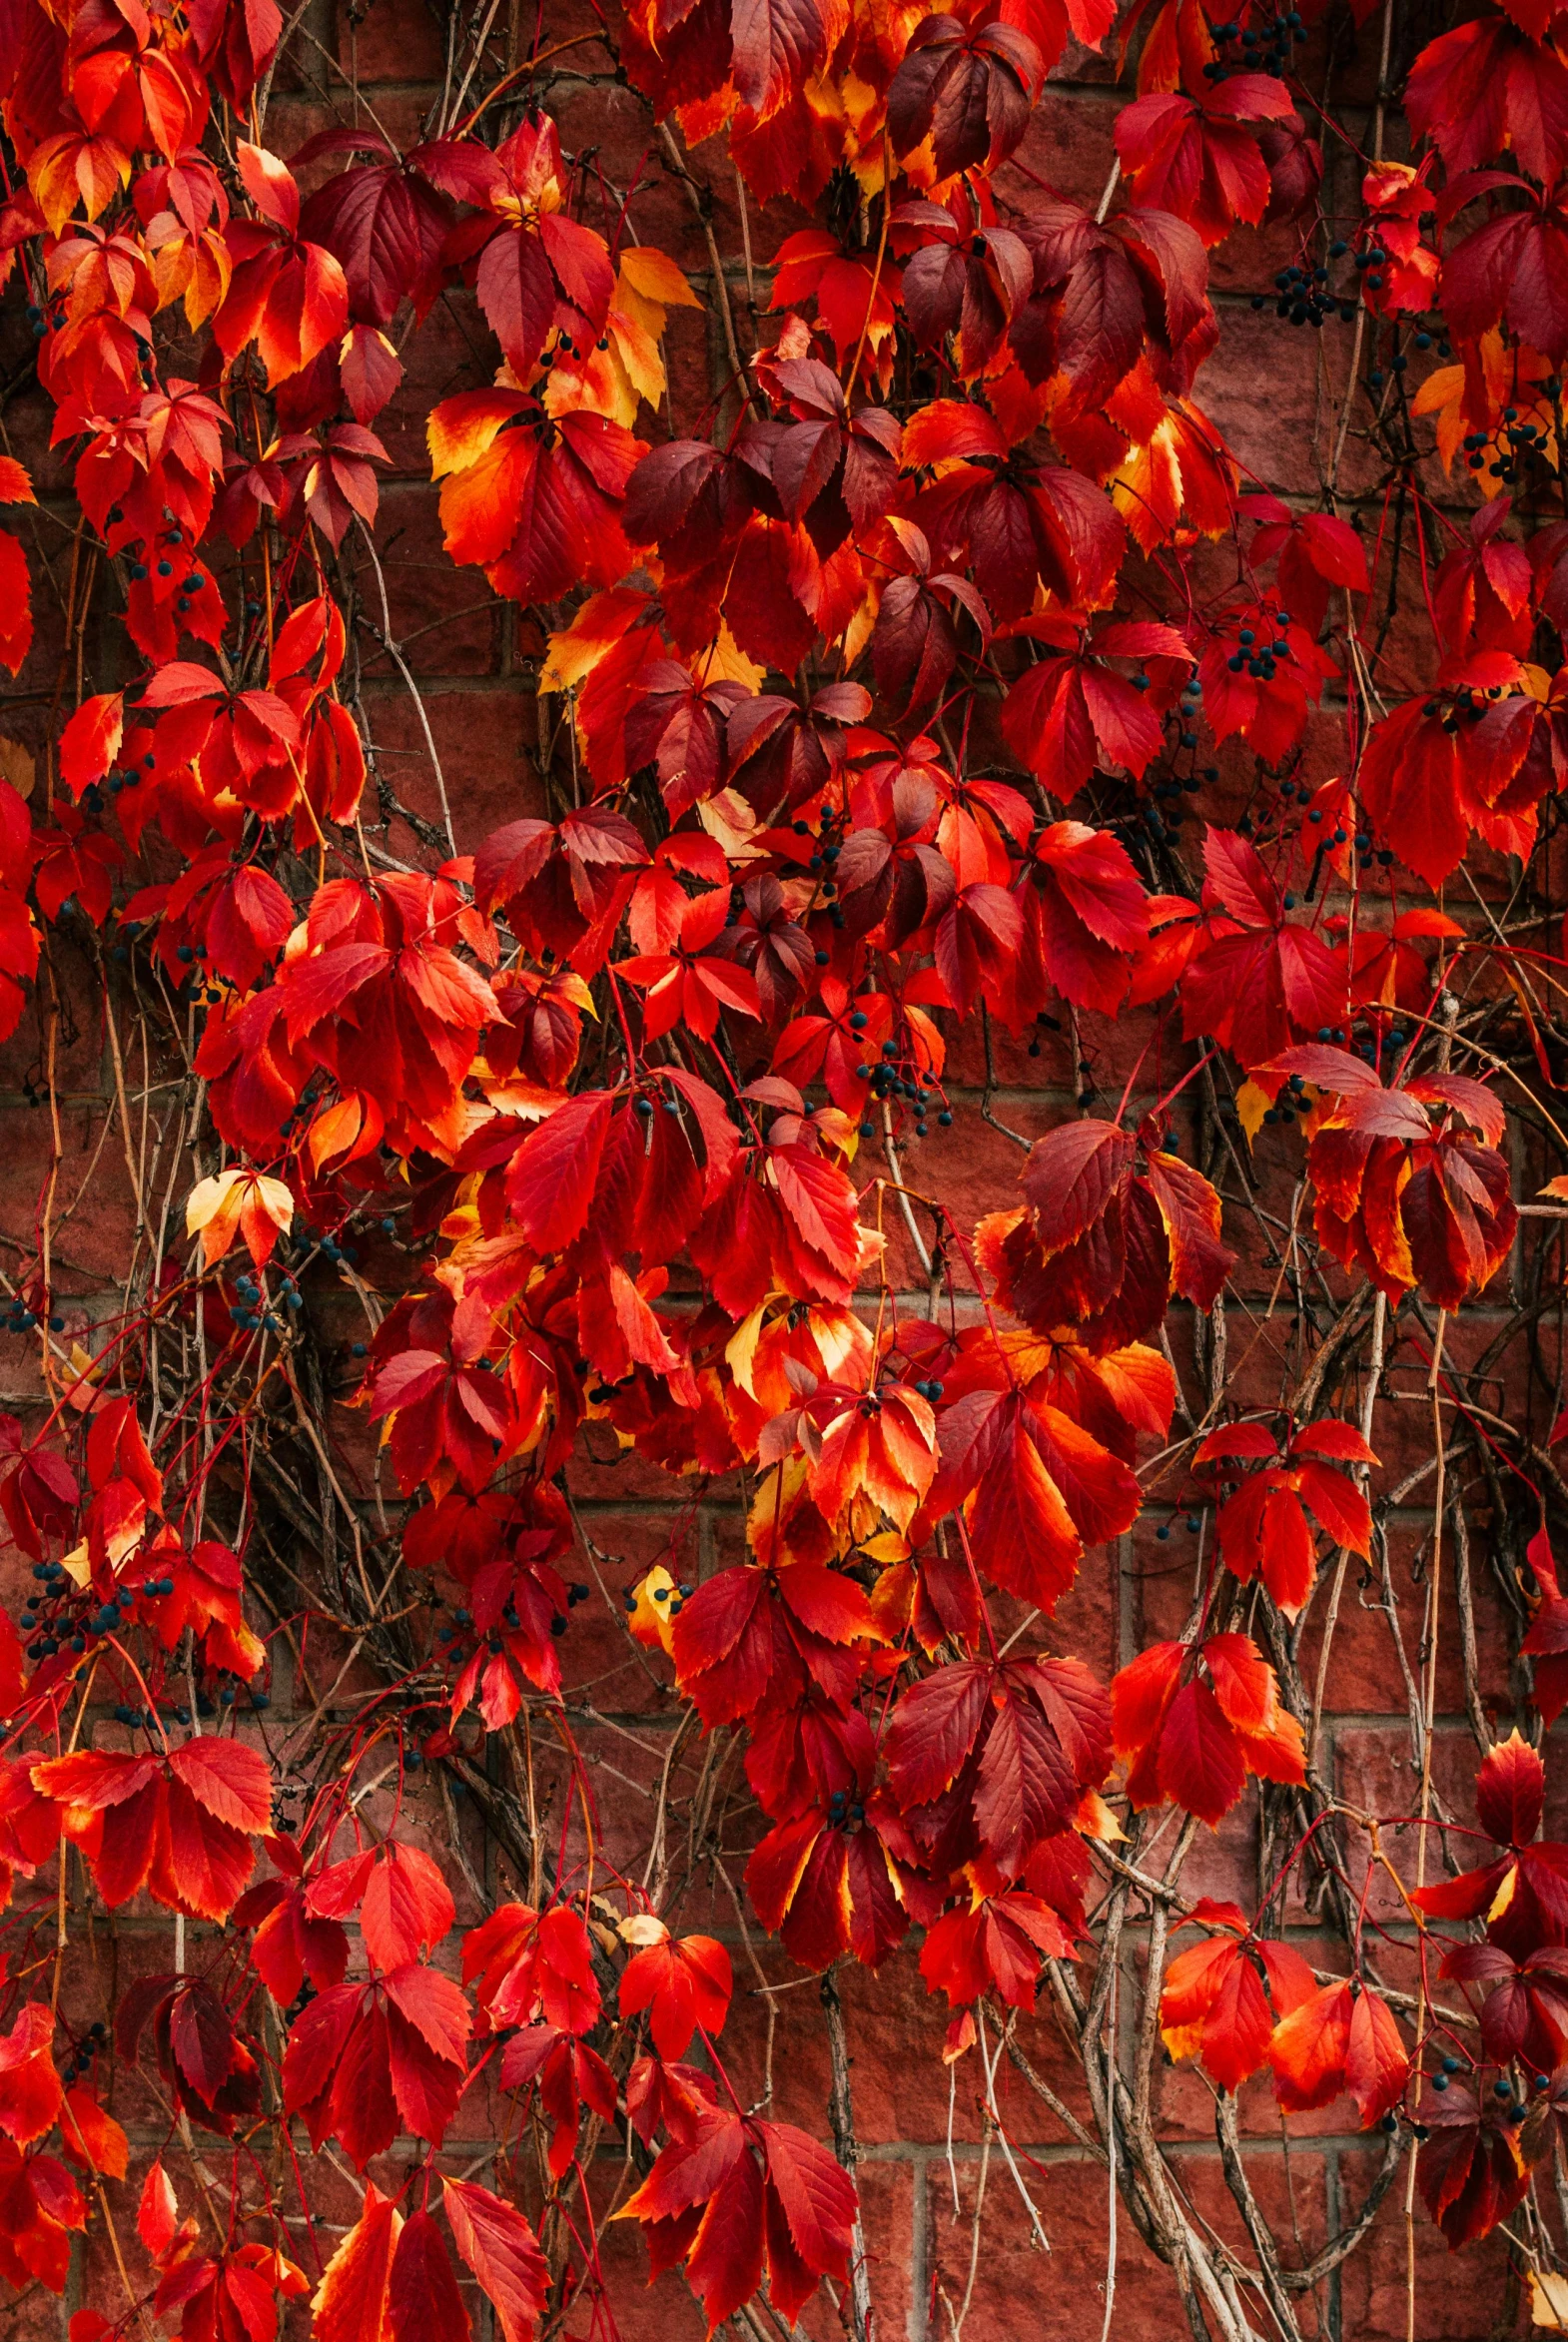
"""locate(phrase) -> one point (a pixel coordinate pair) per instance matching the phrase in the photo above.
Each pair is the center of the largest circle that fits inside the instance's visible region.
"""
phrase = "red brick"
(1459, 2297)
(445, 619)
(485, 741)
(1061, 2293)
(388, 43)
(1068, 144)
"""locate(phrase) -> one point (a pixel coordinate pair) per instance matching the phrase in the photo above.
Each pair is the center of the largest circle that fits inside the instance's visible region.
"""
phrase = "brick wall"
(926, 2159)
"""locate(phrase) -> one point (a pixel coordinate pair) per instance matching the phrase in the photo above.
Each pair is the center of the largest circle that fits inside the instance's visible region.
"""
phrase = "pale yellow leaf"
(1549, 2302)
(731, 820)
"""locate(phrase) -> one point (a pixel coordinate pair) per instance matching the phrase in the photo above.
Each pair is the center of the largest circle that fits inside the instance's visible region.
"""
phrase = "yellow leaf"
(1251, 1103)
(863, 104)
(70, 168)
(960, 2037)
(649, 1616)
(835, 1128)
(654, 275)
(82, 1393)
(1507, 377)
(602, 383)
(576, 651)
(525, 1099)
(636, 343)
(726, 662)
(1182, 2041)
(1095, 1819)
(858, 632)
(740, 1351)
(462, 428)
(128, 1534)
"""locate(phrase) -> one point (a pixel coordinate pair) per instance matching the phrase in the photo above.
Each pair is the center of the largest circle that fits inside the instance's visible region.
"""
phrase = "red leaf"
(92, 2137)
(687, 1984)
(230, 1781)
(550, 1183)
(349, 2303)
(1200, 1762)
(1309, 2051)
(1377, 2061)
(817, 2194)
(518, 293)
(1071, 1176)
(970, 93)
(423, 2299)
(502, 2252)
(91, 741)
(1344, 2037)
(996, 1946)
(1510, 1792)
(30, 2094)
(408, 1907)
(1199, 1750)
(1197, 161)
(16, 604)
(1485, 89)
(1515, 268)
(527, 1961)
(778, 45)
(1214, 2005)
(157, 2215)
